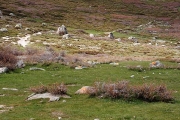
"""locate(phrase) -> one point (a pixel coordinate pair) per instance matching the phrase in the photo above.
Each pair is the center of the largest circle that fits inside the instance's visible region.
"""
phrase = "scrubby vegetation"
(56, 89)
(8, 57)
(144, 31)
(122, 89)
(160, 82)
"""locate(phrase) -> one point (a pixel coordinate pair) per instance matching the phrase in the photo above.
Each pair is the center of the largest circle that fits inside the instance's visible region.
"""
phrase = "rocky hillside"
(150, 21)
(96, 14)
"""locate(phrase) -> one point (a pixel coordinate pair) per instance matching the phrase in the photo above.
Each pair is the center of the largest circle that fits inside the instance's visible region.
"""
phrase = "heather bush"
(7, 58)
(122, 89)
(150, 92)
(57, 89)
(39, 89)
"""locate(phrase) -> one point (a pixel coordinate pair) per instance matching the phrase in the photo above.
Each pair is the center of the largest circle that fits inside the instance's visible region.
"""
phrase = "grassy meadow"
(80, 107)
(153, 23)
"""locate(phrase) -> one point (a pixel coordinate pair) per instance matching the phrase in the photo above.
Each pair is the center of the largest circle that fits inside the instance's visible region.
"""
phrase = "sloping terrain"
(145, 20)
(97, 14)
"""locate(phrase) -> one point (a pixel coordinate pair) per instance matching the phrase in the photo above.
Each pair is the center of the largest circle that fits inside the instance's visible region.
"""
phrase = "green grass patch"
(81, 107)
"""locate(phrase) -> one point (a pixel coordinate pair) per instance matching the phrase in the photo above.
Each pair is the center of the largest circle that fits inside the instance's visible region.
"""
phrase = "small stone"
(62, 30)
(111, 36)
(7, 26)
(64, 101)
(12, 14)
(27, 29)
(132, 76)
(18, 26)
(96, 119)
(115, 64)
(91, 35)
(13, 89)
(66, 36)
(2, 106)
(1, 95)
(35, 68)
(3, 30)
(3, 69)
(78, 67)
(20, 64)
(44, 24)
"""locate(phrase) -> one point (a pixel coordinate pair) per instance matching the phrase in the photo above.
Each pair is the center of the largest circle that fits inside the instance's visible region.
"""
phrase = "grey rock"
(3, 30)
(156, 64)
(111, 36)
(13, 89)
(18, 26)
(35, 68)
(44, 24)
(3, 69)
(62, 30)
(20, 64)
(44, 96)
(91, 35)
(12, 14)
(66, 36)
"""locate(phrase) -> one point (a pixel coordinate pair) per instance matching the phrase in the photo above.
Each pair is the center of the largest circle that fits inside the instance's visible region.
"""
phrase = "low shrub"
(7, 58)
(56, 89)
(39, 89)
(150, 92)
(122, 89)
